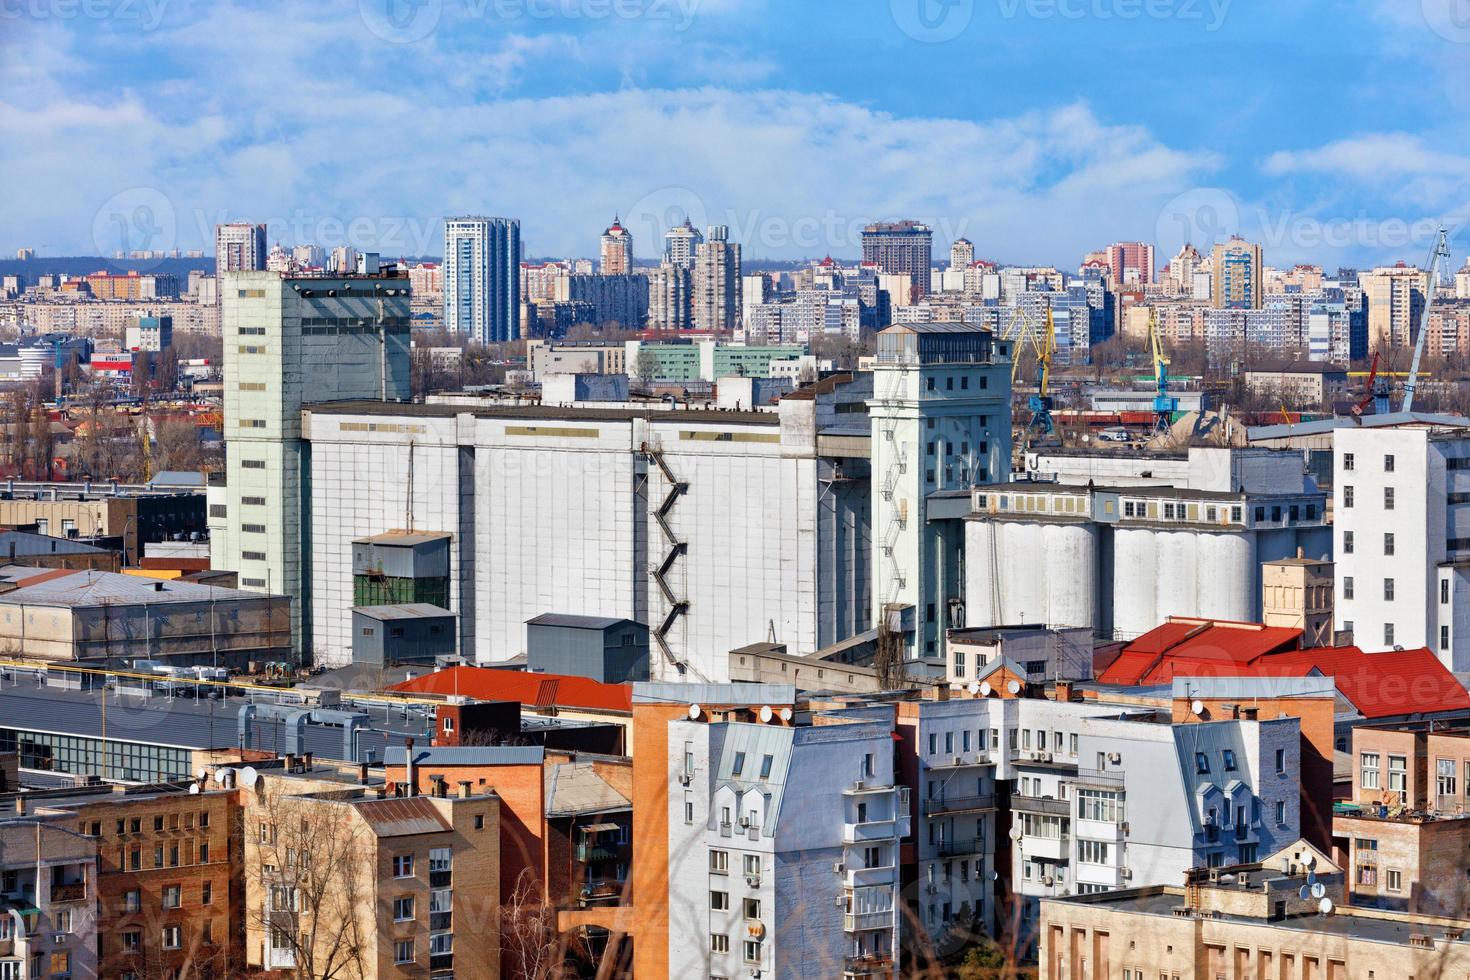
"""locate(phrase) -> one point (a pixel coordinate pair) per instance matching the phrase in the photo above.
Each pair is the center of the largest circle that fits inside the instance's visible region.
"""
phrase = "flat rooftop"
(535, 411)
(85, 587)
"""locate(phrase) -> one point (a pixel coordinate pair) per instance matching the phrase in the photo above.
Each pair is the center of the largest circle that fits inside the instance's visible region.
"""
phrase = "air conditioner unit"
(837, 867)
(1126, 874)
(59, 938)
(1045, 757)
(932, 888)
(1125, 828)
(754, 881)
(857, 784)
(744, 823)
(1115, 757)
(1048, 881)
(959, 760)
(685, 779)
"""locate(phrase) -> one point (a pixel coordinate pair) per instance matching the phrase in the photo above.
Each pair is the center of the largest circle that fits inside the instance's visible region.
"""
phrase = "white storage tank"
(1177, 585)
(1023, 572)
(1135, 581)
(1070, 558)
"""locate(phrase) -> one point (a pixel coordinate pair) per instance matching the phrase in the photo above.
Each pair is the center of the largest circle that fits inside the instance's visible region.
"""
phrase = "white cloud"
(1370, 157)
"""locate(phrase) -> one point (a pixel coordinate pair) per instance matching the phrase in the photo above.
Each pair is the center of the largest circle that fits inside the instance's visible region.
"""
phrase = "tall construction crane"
(1040, 403)
(1439, 254)
(1165, 404)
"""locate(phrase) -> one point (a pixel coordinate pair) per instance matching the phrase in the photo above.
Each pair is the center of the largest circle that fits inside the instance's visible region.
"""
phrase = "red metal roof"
(1379, 685)
(535, 690)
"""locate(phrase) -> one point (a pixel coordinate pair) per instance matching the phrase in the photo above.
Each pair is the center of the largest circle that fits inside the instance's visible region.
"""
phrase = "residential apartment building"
(169, 878)
(1310, 386)
(753, 882)
(1394, 297)
(482, 265)
(291, 341)
(616, 250)
(901, 248)
(1237, 280)
(344, 882)
(680, 244)
(1130, 263)
(1401, 534)
(670, 297)
(48, 885)
(716, 281)
(239, 247)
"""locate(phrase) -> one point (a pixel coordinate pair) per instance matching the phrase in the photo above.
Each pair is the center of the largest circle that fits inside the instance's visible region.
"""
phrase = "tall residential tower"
(482, 269)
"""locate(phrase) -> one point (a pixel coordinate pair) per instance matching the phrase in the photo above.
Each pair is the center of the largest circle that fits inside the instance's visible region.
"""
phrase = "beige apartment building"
(343, 880)
(1394, 297)
(1246, 922)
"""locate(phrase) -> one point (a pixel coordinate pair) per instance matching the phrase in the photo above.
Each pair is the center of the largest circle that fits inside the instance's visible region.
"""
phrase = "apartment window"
(1368, 765)
(1281, 762)
(1445, 782)
(719, 943)
(171, 937)
(752, 864)
(253, 501)
(1398, 776)
(1388, 543)
(252, 464)
(253, 528)
(959, 663)
(965, 740)
(1444, 637)
(1347, 461)
(1395, 880)
(172, 896)
(752, 951)
(1347, 586)
(1444, 592)
(1388, 464)
(61, 963)
(752, 907)
(403, 951)
(403, 865)
(719, 862)
(719, 901)
(1281, 813)
(1201, 763)
(132, 941)
(1347, 542)
(933, 743)
(766, 762)
(1092, 852)
(1229, 755)
(949, 743)
(1388, 635)
(61, 920)
(1388, 498)
(1388, 590)
(132, 901)
(928, 384)
(158, 857)
(206, 895)
(403, 908)
(739, 765)
(1347, 496)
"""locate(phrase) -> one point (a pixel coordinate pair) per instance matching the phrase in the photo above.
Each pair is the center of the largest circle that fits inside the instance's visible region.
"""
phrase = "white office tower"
(1401, 537)
(482, 269)
(680, 243)
(717, 281)
(783, 844)
(239, 247)
(941, 422)
(289, 341)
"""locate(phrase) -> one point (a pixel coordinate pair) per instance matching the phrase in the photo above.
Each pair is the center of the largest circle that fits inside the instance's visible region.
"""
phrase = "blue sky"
(1335, 131)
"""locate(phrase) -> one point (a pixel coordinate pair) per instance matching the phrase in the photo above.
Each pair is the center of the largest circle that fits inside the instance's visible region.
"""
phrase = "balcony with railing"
(1047, 848)
(947, 803)
(1041, 804)
(961, 846)
(870, 830)
(859, 877)
(68, 892)
(865, 921)
(867, 965)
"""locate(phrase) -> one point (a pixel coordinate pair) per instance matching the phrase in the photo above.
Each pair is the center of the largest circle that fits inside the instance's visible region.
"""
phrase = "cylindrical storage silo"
(1232, 589)
(1071, 574)
(1135, 578)
(981, 557)
(1022, 573)
(1178, 592)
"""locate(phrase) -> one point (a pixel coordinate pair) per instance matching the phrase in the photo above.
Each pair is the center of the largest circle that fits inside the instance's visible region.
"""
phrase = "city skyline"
(1048, 172)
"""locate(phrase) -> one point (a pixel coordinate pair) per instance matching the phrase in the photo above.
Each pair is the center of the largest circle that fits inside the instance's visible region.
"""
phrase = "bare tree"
(532, 947)
(313, 882)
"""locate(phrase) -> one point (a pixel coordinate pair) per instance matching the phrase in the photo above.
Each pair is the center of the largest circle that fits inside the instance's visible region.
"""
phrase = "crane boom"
(1440, 253)
(1165, 405)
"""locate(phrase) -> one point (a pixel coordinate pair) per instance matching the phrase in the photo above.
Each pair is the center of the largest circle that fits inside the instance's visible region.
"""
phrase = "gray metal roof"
(574, 788)
(28, 544)
(1247, 688)
(577, 622)
(534, 412)
(403, 539)
(404, 610)
(1320, 426)
(667, 693)
(84, 587)
(466, 755)
(402, 818)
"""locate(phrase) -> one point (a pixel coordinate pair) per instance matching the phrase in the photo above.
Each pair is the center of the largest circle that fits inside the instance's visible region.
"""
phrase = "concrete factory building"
(716, 528)
(1153, 537)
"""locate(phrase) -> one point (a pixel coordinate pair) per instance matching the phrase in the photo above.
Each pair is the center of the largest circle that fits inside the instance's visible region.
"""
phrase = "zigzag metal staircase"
(677, 606)
(898, 516)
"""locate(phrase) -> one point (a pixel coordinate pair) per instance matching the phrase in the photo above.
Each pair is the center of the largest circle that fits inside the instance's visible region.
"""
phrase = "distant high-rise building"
(1237, 275)
(239, 247)
(343, 260)
(264, 500)
(1394, 297)
(901, 248)
(482, 267)
(1131, 263)
(670, 298)
(680, 243)
(25, 254)
(308, 256)
(617, 250)
(279, 260)
(1182, 268)
(717, 281)
(961, 254)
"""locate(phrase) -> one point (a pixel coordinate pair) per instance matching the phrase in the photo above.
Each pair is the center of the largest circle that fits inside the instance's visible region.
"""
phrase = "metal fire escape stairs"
(676, 547)
(898, 516)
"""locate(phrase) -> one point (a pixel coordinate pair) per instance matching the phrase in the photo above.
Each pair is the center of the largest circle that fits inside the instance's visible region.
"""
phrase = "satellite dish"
(1015, 833)
(193, 789)
(766, 714)
(694, 712)
(201, 772)
(974, 687)
(985, 689)
(1309, 859)
(786, 714)
(1304, 893)
(1197, 706)
(995, 876)
(1311, 877)
(1325, 906)
(1014, 687)
(1319, 890)
(249, 777)
(223, 774)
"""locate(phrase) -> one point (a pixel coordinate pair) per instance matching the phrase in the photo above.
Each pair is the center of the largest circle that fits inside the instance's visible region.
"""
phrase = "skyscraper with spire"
(617, 250)
(680, 243)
